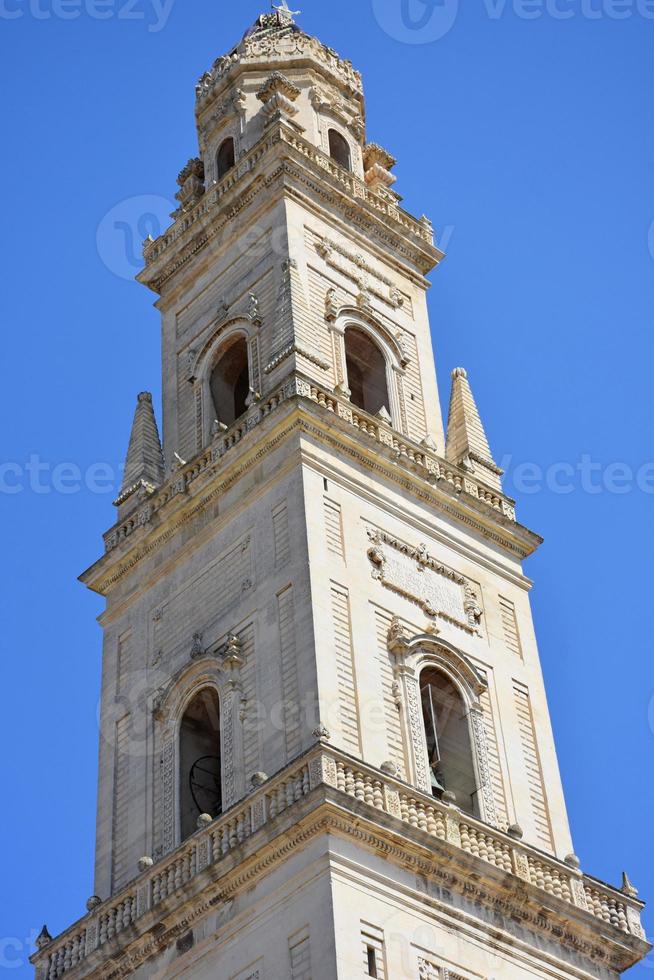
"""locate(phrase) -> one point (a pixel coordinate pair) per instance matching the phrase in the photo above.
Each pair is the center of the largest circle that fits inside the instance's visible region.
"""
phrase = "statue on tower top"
(284, 13)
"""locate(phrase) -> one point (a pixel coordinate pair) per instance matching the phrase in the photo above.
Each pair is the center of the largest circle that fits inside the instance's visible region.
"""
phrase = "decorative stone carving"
(253, 310)
(416, 733)
(398, 637)
(331, 306)
(191, 186)
(321, 734)
(483, 766)
(197, 649)
(369, 280)
(364, 300)
(43, 939)
(378, 164)
(204, 820)
(92, 903)
(414, 574)
(427, 971)
(233, 652)
(229, 776)
(391, 769)
(257, 779)
(145, 863)
(278, 95)
(168, 794)
(515, 831)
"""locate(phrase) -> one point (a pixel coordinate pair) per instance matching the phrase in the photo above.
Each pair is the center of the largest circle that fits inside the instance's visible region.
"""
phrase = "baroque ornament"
(416, 575)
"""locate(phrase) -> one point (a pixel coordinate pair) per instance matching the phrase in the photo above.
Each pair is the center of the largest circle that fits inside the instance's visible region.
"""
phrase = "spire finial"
(467, 445)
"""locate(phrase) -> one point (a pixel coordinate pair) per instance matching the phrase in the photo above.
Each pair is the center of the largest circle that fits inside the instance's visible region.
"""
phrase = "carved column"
(487, 798)
(168, 795)
(396, 395)
(232, 745)
(337, 333)
(414, 733)
(231, 706)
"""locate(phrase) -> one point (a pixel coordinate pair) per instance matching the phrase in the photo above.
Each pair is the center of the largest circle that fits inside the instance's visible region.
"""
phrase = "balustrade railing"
(327, 767)
(405, 451)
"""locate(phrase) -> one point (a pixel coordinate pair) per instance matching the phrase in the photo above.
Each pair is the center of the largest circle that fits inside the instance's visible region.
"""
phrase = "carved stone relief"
(413, 573)
(369, 280)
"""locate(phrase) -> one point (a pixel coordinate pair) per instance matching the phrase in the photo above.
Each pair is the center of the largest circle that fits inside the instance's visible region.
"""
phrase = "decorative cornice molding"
(333, 421)
(381, 220)
(328, 792)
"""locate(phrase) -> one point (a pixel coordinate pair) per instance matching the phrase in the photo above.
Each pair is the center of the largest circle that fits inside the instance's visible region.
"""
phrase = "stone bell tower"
(325, 744)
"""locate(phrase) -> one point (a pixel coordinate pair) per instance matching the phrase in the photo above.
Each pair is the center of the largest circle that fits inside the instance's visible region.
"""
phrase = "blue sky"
(524, 130)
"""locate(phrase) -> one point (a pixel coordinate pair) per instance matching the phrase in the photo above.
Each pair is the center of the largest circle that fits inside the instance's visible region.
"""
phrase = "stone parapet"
(328, 791)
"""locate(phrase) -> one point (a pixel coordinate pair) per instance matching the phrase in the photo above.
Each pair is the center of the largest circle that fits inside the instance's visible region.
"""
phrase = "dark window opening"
(200, 771)
(339, 149)
(366, 372)
(372, 962)
(230, 383)
(448, 740)
(225, 158)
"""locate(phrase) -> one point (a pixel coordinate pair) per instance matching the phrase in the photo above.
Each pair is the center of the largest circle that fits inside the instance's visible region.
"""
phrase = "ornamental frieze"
(414, 574)
(354, 266)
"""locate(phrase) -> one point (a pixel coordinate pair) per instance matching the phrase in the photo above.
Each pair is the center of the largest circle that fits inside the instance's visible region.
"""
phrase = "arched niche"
(199, 755)
(458, 686)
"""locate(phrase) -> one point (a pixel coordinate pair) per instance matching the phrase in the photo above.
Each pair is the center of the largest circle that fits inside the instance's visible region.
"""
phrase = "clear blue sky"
(530, 143)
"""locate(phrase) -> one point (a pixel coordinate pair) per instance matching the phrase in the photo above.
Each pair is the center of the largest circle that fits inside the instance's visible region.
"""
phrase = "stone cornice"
(494, 876)
(194, 230)
(299, 406)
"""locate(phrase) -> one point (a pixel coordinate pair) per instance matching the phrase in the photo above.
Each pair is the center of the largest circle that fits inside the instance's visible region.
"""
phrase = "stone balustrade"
(327, 768)
(203, 212)
(405, 451)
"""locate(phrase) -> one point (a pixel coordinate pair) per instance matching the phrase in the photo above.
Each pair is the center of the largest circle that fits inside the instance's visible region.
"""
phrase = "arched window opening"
(226, 157)
(230, 382)
(448, 740)
(339, 149)
(200, 780)
(366, 372)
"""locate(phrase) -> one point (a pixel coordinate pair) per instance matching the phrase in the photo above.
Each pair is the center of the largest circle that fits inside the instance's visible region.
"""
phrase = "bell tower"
(325, 743)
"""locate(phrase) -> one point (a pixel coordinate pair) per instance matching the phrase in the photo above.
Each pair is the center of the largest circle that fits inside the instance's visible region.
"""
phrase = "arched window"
(230, 382)
(339, 149)
(200, 787)
(225, 158)
(449, 747)
(366, 372)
